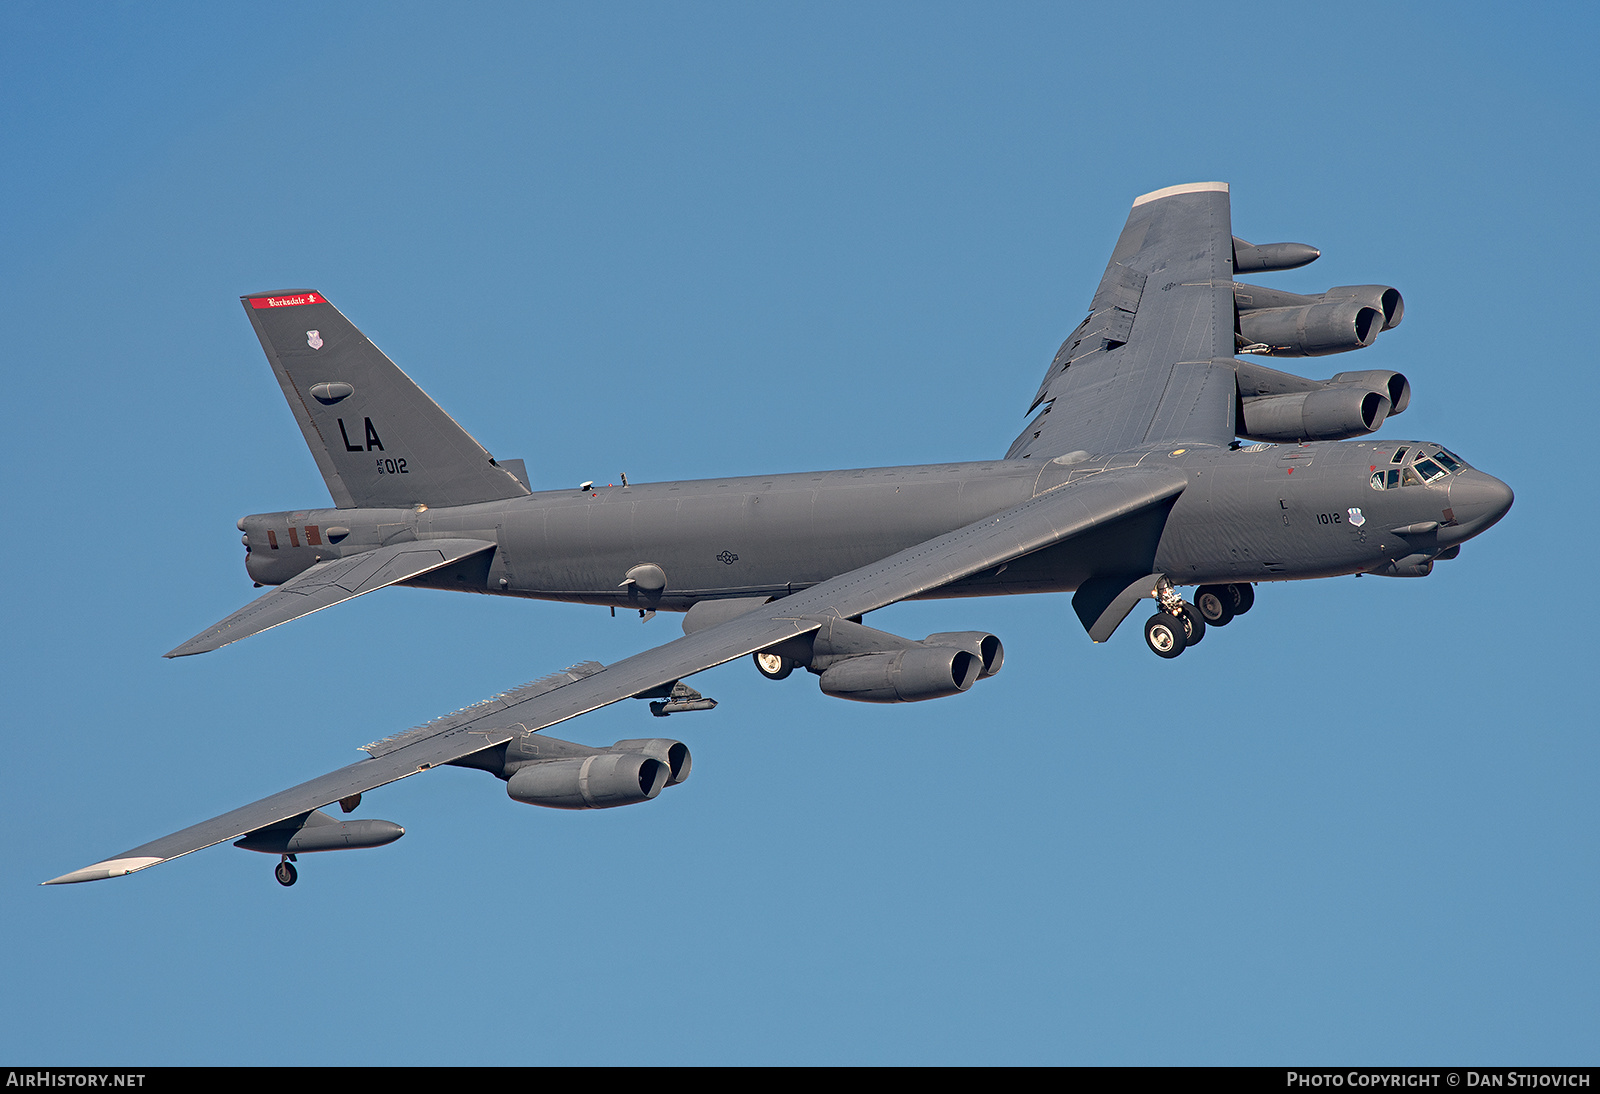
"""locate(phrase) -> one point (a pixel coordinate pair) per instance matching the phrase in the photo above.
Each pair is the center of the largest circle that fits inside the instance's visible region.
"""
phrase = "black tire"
(783, 669)
(1215, 603)
(1244, 597)
(1165, 635)
(1194, 625)
(286, 873)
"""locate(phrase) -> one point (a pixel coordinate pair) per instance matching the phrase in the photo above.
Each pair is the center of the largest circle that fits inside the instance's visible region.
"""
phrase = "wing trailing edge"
(328, 583)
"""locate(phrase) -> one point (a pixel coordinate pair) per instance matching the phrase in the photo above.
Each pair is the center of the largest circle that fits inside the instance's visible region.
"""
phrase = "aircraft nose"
(1478, 500)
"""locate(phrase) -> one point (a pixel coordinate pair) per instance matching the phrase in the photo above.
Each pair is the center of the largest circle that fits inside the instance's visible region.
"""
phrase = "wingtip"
(99, 871)
(1181, 188)
(200, 643)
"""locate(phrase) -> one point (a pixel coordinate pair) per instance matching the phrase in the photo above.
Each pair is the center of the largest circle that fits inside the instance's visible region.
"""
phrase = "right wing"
(328, 583)
(1041, 522)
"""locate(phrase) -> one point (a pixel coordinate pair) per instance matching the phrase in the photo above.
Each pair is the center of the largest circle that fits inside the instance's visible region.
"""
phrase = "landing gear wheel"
(773, 666)
(1244, 597)
(286, 873)
(1165, 635)
(1194, 625)
(1215, 603)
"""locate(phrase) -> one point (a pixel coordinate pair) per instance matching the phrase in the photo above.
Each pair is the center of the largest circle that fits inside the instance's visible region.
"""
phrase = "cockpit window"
(1421, 471)
(1428, 471)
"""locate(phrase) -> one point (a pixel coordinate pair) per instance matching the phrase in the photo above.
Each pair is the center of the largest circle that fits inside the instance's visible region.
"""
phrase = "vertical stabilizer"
(377, 438)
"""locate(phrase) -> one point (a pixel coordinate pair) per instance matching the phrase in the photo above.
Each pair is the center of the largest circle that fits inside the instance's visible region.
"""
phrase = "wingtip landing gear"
(285, 872)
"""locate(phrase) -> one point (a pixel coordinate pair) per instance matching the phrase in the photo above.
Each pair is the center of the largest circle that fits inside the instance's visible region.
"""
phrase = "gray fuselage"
(1260, 513)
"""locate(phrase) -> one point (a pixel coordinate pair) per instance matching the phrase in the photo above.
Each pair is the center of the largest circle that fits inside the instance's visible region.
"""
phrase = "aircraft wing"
(328, 583)
(1043, 521)
(1153, 363)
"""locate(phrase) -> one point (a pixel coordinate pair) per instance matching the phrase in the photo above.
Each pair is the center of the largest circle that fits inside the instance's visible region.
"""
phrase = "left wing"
(1047, 519)
(1153, 363)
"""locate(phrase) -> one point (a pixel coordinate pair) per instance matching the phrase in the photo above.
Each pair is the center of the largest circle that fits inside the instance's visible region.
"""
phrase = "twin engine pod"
(627, 773)
(1285, 324)
(1281, 407)
(872, 666)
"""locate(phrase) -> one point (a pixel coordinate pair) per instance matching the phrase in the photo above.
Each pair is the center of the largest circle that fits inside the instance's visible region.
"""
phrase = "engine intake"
(986, 647)
(1392, 384)
(675, 754)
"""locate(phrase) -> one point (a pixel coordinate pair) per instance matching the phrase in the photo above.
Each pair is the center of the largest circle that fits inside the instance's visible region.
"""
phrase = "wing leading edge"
(1153, 362)
(1041, 522)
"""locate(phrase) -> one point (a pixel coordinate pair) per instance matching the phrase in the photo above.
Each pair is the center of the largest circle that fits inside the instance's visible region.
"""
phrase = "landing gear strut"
(285, 871)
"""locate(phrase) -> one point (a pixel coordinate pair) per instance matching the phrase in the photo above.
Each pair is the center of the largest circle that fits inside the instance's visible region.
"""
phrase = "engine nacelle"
(1385, 299)
(1313, 331)
(904, 676)
(601, 781)
(675, 754)
(1331, 413)
(1346, 317)
(872, 666)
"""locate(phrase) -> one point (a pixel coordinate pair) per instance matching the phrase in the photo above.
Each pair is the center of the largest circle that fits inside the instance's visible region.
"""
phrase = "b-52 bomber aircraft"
(1132, 480)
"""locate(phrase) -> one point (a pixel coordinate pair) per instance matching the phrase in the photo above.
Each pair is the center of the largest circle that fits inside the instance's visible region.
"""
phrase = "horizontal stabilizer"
(328, 583)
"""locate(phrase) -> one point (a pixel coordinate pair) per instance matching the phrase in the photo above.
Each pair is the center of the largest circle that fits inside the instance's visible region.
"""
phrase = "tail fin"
(377, 438)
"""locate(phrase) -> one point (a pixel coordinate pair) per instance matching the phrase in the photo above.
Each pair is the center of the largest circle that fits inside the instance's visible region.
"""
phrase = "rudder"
(378, 439)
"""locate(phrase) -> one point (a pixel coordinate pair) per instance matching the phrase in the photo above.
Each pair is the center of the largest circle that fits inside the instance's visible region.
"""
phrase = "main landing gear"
(285, 871)
(1180, 624)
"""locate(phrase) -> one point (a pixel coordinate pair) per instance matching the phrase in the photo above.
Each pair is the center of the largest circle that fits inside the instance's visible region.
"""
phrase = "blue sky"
(1359, 825)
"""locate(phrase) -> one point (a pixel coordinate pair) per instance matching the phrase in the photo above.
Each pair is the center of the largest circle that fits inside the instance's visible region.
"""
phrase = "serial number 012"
(392, 467)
